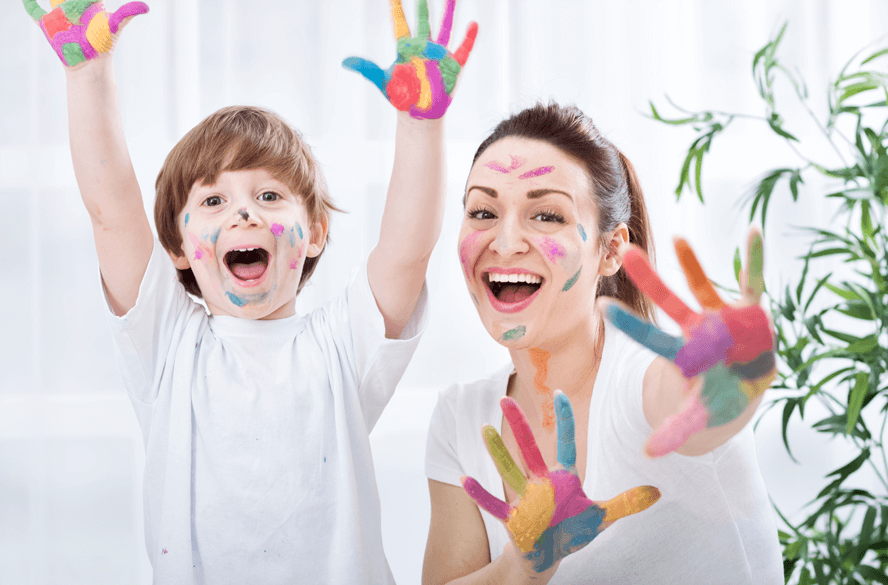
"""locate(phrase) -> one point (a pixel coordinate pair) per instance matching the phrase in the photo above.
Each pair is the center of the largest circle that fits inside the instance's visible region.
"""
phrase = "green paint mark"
(34, 9)
(74, 9)
(582, 231)
(73, 54)
(409, 48)
(572, 281)
(449, 72)
(423, 30)
(722, 396)
(513, 334)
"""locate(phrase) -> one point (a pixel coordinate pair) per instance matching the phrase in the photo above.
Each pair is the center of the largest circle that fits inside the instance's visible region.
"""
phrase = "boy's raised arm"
(83, 36)
(420, 84)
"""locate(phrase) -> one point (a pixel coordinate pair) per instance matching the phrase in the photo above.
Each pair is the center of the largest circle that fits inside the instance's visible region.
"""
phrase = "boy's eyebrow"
(532, 194)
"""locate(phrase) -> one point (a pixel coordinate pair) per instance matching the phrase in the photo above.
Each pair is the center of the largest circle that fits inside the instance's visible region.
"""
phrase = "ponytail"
(620, 286)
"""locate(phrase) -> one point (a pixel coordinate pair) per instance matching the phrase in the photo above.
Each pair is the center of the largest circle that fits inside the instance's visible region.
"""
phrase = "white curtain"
(71, 453)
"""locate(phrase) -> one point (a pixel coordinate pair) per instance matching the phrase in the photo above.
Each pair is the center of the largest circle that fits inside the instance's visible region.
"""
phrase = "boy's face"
(246, 239)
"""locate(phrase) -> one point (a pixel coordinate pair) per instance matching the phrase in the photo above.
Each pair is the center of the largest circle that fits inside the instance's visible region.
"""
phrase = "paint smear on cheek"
(199, 250)
(294, 264)
(513, 334)
(474, 298)
(299, 230)
(215, 236)
(540, 360)
(582, 231)
(277, 229)
(186, 219)
(572, 281)
(467, 249)
(551, 248)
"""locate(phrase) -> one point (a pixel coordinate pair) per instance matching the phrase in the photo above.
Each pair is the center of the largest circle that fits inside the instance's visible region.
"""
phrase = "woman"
(551, 210)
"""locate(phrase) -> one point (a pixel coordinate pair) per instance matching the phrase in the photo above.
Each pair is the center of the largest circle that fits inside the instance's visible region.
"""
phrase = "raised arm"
(84, 36)
(419, 84)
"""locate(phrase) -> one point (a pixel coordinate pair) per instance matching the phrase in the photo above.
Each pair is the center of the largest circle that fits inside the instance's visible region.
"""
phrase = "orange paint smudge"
(540, 360)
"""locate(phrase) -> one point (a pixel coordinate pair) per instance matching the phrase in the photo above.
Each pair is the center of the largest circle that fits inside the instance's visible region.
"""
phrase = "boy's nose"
(244, 215)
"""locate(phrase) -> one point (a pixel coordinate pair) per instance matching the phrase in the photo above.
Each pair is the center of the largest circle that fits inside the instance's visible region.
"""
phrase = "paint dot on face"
(294, 264)
(186, 219)
(216, 235)
(277, 229)
(582, 231)
(551, 248)
(299, 230)
(517, 161)
(572, 281)
(235, 299)
(513, 334)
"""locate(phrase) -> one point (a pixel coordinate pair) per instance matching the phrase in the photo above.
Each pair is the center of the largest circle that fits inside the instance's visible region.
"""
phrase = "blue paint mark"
(474, 298)
(236, 299)
(567, 537)
(299, 229)
(368, 69)
(292, 238)
(325, 459)
(567, 447)
(434, 51)
(582, 231)
(186, 220)
(216, 235)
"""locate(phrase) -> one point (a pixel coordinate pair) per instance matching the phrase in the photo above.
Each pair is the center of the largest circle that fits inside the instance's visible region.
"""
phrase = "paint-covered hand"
(726, 352)
(423, 76)
(79, 30)
(553, 517)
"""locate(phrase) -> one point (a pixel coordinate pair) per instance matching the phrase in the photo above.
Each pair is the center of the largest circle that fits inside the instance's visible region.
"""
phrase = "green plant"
(832, 350)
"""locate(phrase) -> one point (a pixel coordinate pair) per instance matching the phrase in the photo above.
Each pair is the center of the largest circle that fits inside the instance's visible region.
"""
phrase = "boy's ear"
(317, 238)
(613, 256)
(180, 261)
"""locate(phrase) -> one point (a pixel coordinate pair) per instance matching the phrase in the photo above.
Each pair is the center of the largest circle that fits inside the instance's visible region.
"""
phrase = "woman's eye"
(549, 216)
(480, 214)
(213, 201)
(269, 196)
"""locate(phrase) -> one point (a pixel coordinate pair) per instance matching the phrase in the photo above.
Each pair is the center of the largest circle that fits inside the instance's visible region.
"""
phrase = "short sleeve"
(144, 336)
(441, 462)
(634, 363)
(379, 362)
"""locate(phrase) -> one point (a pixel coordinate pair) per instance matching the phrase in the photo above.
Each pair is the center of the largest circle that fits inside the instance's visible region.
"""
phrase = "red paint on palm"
(55, 22)
(747, 325)
(404, 87)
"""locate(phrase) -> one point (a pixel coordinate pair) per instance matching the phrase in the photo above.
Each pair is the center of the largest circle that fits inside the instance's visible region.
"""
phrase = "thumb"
(368, 69)
(121, 17)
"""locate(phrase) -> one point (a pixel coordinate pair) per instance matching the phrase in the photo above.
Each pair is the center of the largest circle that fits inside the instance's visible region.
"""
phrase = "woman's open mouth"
(511, 293)
(247, 265)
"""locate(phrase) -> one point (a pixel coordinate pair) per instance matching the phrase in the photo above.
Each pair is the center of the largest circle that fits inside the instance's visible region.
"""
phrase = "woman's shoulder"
(479, 394)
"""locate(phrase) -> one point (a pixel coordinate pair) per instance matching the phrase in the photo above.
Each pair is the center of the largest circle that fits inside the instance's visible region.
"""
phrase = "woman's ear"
(613, 256)
(317, 237)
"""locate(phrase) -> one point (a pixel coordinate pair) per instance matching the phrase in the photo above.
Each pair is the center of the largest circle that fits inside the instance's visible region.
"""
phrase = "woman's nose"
(509, 239)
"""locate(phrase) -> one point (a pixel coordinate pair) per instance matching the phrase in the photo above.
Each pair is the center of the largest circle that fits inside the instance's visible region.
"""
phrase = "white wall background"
(71, 455)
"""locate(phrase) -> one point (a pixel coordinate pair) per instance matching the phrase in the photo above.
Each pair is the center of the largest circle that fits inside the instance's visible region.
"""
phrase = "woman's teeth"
(528, 278)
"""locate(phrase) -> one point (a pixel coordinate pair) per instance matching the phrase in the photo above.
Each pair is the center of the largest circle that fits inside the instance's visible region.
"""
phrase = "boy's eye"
(269, 196)
(480, 213)
(213, 201)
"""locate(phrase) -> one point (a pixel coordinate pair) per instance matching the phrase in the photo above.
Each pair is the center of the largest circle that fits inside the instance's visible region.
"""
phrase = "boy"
(256, 421)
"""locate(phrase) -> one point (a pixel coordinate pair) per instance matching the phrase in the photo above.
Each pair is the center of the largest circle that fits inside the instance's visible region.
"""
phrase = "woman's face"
(529, 244)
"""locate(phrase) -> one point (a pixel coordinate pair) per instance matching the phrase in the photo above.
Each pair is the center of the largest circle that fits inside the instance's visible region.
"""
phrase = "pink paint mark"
(537, 172)
(570, 500)
(277, 229)
(551, 248)
(677, 430)
(164, 551)
(467, 249)
(199, 250)
(294, 264)
(517, 162)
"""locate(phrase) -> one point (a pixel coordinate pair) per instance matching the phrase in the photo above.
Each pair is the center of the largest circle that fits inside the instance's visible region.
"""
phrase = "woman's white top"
(713, 524)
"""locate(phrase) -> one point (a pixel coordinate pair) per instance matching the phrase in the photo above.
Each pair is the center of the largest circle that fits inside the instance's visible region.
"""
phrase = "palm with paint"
(553, 517)
(80, 30)
(726, 352)
(424, 74)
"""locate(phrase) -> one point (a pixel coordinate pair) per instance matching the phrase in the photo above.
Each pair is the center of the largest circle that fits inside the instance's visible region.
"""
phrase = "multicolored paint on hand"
(553, 518)
(731, 346)
(424, 74)
(79, 30)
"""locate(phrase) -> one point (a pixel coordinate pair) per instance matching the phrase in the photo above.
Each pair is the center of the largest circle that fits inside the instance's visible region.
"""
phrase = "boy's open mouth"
(511, 289)
(248, 264)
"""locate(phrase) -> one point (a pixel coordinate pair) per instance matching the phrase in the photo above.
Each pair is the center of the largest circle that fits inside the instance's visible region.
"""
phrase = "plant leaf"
(855, 399)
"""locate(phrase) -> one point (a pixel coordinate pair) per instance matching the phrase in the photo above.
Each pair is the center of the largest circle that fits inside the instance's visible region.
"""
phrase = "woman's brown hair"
(238, 138)
(616, 190)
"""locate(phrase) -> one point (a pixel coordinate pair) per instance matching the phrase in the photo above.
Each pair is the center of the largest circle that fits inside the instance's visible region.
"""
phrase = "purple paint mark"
(164, 551)
(198, 252)
(496, 166)
(277, 229)
(468, 247)
(537, 172)
(294, 264)
(710, 343)
(444, 33)
(440, 99)
(551, 248)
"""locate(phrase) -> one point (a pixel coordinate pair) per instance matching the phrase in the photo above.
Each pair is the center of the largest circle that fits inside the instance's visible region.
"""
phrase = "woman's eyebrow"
(537, 193)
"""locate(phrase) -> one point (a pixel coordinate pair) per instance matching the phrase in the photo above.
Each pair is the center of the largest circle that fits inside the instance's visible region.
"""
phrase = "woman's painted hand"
(726, 352)
(424, 74)
(79, 30)
(553, 517)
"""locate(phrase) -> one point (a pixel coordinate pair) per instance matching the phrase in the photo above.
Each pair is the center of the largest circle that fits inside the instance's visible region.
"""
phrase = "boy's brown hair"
(238, 138)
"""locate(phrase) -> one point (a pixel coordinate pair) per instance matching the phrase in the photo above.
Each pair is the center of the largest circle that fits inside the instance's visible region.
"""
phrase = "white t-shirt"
(712, 525)
(258, 463)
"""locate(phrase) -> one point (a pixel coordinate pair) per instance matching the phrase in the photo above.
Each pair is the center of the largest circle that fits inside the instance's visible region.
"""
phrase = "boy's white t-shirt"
(713, 523)
(258, 462)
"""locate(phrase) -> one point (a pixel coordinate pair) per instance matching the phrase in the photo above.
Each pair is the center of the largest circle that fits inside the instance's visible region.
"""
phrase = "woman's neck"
(569, 365)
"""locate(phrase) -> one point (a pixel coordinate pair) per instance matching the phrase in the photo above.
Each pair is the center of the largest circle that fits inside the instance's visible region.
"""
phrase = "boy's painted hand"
(553, 518)
(422, 78)
(79, 30)
(727, 352)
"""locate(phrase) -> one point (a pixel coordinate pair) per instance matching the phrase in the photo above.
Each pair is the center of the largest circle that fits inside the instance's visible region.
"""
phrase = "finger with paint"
(79, 30)
(553, 517)
(422, 78)
(731, 346)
